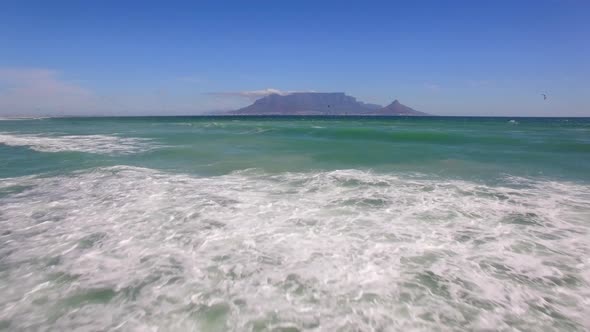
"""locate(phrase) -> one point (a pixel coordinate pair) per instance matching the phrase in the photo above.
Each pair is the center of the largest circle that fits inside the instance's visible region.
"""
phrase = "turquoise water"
(474, 148)
(266, 223)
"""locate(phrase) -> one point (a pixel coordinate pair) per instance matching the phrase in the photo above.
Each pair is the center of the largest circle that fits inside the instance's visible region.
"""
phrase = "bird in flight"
(544, 96)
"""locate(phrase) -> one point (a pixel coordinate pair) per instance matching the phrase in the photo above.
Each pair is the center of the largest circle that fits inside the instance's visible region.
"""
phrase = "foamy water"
(135, 249)
(101, 144)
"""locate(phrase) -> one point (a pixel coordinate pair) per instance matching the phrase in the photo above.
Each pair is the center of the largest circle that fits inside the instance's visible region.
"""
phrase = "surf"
(344, 249)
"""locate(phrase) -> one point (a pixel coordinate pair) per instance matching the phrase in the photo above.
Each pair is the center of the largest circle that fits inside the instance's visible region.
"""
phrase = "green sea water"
(474, 148)
(295, 224)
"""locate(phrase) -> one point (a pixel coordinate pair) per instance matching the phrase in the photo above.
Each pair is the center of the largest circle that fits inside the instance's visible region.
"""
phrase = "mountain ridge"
(322, 103)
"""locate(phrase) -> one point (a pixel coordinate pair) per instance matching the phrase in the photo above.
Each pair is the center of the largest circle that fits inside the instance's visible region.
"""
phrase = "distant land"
(322, 103)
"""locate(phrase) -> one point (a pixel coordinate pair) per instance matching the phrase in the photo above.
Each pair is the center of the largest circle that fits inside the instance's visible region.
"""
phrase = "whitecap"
(22, 118)
(101, 144)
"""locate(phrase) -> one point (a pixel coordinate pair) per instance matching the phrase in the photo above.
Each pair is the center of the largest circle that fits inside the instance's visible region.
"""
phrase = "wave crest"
(101, 144)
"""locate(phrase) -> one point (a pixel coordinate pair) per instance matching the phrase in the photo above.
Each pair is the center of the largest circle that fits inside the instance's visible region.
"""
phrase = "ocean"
(295, 224)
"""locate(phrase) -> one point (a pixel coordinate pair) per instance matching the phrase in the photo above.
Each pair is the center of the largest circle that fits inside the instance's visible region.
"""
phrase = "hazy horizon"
(458, 58)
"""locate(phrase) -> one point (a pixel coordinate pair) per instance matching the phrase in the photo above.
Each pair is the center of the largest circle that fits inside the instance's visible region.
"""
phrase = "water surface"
(229, 223)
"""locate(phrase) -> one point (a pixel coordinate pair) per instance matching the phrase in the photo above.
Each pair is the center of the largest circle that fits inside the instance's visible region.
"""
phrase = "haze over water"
(292, 224)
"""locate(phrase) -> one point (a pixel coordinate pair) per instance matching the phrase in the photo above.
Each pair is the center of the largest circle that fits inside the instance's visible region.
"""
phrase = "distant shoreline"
(17, 118)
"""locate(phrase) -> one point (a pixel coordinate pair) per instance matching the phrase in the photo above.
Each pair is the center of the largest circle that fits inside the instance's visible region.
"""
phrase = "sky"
(483, 58)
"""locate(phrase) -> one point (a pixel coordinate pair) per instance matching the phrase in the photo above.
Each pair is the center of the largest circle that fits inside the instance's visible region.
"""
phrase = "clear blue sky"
(169, 57)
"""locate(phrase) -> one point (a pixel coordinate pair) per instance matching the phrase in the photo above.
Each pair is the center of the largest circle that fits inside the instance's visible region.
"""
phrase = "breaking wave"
(101, 144)
(139, 249)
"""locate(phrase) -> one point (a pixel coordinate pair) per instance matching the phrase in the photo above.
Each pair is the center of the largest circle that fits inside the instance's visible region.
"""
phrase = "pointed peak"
(395, 103)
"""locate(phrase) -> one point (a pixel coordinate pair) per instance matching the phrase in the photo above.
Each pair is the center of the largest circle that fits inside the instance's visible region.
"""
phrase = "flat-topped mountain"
(320, 103)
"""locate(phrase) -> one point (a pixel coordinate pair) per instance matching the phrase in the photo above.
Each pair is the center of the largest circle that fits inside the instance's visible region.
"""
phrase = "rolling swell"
(391, 135)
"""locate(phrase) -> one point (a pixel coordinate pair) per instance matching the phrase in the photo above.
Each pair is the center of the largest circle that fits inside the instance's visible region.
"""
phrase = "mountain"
(396, 108)
(307, 103)
(320, 103)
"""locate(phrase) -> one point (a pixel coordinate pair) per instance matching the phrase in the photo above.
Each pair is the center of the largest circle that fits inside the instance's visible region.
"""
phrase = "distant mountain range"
(321, 103)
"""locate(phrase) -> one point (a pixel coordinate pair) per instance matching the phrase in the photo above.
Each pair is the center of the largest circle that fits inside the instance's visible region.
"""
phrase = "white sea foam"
(138, 249)
(101, 144)
(22, 118)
